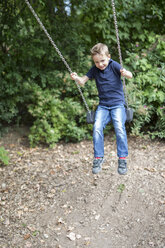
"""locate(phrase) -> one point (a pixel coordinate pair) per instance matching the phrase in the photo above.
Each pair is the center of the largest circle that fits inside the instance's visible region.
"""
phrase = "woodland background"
(35, 86)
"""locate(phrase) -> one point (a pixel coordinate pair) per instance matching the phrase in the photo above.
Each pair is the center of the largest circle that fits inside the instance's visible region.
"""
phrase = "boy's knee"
(98, 129)
(120, 130)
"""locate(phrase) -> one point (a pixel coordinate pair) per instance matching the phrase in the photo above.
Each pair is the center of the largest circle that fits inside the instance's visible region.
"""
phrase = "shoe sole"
(122, 173)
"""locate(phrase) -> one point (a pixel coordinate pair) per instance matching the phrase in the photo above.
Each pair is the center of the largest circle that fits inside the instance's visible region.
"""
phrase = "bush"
(55, 119)
(147, 88)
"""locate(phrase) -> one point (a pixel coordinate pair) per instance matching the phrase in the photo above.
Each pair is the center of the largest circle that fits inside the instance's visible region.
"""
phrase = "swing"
(129, 111)
(90, 114)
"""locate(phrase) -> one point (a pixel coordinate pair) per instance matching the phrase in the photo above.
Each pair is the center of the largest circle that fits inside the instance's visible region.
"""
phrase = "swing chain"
(118, 45)
(57, 50)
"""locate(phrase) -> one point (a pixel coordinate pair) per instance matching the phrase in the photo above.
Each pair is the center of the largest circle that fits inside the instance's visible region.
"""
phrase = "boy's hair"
(99, 48)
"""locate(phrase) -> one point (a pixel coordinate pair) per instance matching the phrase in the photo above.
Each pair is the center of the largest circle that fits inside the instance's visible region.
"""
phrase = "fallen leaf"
(50, 195)
(163, 175)
(70, 228)
(28, 245)
(26, 236)
(150, 169)
(52, 172)
(60, 221)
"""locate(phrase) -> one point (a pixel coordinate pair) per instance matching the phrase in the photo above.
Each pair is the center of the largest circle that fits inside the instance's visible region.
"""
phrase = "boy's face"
(101, 61)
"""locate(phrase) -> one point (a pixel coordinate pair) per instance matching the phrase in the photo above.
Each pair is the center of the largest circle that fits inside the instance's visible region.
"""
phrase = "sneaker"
(122, 166)
(97, 165)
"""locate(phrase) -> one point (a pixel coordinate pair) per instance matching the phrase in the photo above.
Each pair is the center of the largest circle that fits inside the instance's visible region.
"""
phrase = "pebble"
(7, 222)
(28, 245)
(3, 185)
(97, 217)
(72, 236)
(78, 236)
(46, 236)
(87, 239)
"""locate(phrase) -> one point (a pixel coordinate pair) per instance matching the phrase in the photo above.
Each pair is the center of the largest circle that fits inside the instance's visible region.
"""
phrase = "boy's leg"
(118, 116)
(102, 117)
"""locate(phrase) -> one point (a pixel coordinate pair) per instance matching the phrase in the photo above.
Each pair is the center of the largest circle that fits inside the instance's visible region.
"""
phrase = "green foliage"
(27, 55)
(55, 119)
(4, 158)
(147, 89)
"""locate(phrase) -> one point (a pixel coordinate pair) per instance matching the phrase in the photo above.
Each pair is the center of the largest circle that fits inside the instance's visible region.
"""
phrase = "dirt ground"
(50, 199)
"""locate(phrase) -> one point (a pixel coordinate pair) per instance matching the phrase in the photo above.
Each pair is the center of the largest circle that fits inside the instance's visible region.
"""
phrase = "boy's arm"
(126, 73)
(80, 80)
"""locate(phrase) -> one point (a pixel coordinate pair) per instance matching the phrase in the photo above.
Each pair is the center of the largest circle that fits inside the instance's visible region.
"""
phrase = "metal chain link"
(119, 48)
(57, 50)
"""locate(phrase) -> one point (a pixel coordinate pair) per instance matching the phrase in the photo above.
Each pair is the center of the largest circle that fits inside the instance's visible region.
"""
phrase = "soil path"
(50, 199)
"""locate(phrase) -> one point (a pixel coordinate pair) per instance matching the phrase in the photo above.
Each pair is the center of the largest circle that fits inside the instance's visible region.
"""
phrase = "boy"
(107, 74)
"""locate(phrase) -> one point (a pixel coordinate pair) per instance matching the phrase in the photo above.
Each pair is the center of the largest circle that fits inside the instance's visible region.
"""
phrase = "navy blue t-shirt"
(108, 82)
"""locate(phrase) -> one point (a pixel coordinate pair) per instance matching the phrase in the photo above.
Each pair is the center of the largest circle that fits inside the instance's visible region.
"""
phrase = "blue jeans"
(116, 114)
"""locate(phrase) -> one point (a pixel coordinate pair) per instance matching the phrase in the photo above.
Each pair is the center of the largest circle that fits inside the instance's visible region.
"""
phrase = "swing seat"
(90, 117)
(129, 113)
